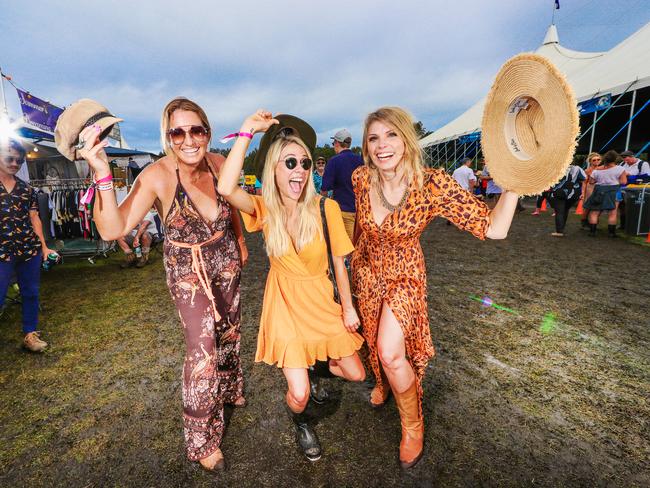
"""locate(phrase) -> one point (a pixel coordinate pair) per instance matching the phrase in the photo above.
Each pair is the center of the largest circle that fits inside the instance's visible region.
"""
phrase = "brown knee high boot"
(412, 445)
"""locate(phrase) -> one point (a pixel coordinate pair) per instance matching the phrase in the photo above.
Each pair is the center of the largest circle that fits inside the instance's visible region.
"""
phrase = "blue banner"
(595, 104)
(469, 137)
(37, 112)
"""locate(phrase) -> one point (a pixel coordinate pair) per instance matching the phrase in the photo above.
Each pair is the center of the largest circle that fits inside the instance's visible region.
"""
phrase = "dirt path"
(506, 404)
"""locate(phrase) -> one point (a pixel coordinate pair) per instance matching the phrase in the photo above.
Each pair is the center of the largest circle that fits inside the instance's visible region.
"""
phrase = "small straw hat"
(530, 124)
(77, 117)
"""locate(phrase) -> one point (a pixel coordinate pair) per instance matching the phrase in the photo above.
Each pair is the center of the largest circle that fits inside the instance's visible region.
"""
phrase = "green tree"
(421, 130)
(249, 162)
(223, 152)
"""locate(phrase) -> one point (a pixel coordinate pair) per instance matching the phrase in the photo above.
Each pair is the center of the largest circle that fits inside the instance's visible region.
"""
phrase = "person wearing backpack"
(564, 195)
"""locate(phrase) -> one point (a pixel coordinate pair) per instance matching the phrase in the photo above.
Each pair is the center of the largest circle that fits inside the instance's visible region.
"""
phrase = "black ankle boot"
(592, 229)
(317, 393)
(584, 224)
(611, 230)
(305, 434)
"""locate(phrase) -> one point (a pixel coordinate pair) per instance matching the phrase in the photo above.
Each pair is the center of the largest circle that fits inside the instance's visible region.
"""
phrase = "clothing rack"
(71, 183)
(78, 246)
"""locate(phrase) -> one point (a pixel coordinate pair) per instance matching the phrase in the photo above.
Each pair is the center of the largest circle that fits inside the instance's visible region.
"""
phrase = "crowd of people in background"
(594, 189)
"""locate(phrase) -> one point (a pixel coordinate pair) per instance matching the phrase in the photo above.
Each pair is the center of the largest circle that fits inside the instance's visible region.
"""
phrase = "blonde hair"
(402, 122)
(180, 103)
(277, 238)
(593, 155)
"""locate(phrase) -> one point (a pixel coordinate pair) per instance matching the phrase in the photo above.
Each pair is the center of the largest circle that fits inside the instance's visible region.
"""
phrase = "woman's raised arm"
(228, 185)
(112, 221)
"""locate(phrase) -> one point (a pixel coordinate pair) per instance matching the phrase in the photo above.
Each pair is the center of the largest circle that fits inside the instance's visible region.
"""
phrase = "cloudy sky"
(327, 62)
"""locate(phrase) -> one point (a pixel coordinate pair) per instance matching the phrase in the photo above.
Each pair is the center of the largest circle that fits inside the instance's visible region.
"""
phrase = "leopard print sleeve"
(454, 203)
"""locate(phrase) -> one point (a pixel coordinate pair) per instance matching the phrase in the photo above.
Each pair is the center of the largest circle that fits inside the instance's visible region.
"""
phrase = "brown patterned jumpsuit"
(203, 266)
(388, 264)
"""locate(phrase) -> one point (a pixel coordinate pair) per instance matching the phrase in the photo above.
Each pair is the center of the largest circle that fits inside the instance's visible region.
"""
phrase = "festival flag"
(557, 4)
(37, 112)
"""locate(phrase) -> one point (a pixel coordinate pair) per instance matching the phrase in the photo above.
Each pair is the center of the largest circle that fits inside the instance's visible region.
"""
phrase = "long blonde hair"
(180, 103)
(277, 238)
(400, 120)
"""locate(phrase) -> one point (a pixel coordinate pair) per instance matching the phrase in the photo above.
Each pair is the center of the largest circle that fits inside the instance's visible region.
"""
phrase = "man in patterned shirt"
(22, 243)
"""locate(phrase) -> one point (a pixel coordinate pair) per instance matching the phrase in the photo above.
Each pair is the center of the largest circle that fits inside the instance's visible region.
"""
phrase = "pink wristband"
(225, 139)
(101, 185)
(103, 180)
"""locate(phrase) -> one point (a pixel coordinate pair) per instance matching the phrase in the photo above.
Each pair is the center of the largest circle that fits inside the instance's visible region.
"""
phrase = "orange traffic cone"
(648, 238)
(543, 207)
(579, 210)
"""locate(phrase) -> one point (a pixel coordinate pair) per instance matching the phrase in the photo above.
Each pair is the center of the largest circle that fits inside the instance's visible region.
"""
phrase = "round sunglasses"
(292, 162)
(198, 133)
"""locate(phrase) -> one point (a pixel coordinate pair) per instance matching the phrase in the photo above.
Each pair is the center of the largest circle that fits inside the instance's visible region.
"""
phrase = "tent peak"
(551, 35)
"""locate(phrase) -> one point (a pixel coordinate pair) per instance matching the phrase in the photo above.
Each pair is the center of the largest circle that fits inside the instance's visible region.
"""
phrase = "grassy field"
(555, 394)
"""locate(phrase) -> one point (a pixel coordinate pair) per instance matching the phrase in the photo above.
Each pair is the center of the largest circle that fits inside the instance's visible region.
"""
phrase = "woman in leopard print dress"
(396, 197)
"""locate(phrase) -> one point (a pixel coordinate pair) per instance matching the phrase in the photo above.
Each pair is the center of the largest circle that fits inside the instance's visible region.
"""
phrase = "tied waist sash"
(198, 267)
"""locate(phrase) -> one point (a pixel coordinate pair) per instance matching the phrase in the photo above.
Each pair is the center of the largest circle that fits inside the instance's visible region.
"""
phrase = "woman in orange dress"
(301, 323)
(396, 197)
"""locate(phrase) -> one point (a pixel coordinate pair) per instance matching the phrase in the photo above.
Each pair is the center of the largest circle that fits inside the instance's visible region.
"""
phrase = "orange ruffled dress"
(301, 322)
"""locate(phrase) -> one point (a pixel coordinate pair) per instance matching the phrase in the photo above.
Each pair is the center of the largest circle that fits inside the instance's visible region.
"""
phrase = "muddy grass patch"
(510, 399)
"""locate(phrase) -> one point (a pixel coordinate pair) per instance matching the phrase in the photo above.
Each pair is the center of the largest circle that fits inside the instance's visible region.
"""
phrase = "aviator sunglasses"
(196, 132)
(292, 162)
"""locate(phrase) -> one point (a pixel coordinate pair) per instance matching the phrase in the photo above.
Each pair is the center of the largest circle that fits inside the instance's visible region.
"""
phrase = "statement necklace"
(389, 206)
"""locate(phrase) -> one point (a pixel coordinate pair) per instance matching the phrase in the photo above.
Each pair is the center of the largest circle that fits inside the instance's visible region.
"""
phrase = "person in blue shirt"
(338, 177)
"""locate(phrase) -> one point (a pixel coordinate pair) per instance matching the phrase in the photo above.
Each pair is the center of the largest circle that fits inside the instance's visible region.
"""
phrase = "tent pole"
(591, 139)
(446, 148)
(453, 163)
(629, 127)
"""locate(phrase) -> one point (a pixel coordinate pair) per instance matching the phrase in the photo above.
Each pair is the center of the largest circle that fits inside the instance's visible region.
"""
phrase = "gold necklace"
(389, 206)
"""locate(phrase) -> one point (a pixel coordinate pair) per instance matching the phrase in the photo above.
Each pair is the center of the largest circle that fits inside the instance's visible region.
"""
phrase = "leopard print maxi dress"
(388, 264)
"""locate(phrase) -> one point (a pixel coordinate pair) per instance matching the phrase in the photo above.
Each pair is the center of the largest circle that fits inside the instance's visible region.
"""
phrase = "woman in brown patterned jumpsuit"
(204, 252)
(396, 197)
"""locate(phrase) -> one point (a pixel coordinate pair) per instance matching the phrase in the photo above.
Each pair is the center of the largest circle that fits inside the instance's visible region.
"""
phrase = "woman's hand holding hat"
(260, 121)
(93, 151)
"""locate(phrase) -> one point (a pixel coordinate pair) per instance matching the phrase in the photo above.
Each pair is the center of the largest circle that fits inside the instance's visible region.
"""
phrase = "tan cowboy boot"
(412, 445)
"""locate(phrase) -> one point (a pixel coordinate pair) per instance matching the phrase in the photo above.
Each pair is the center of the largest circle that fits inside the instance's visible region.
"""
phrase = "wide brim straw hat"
(81, 114)
(288, 125)
(530, 125)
